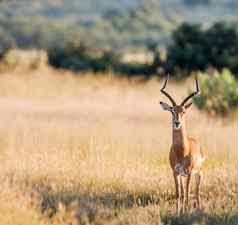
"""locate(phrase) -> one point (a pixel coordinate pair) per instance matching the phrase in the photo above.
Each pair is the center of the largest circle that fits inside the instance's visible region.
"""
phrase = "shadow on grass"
(200, 218)
(97, 206)
(114, 202)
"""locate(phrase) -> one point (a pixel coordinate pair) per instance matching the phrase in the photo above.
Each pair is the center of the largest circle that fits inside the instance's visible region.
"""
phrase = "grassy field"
(94, 150)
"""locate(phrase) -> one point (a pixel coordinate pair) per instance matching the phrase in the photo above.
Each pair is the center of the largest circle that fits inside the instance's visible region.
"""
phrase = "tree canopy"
(194, 48)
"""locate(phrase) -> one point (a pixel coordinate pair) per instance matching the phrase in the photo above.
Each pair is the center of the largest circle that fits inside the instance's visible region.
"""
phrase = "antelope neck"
(180, 141)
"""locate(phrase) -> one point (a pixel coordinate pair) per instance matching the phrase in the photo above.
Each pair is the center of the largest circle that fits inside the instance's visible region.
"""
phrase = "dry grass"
(93, 150)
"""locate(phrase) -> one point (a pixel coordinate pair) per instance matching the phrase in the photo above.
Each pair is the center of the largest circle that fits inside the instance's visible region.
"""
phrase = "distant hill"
(119, 25)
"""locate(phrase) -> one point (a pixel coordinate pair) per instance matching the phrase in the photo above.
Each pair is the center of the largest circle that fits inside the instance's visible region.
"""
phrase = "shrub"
(78, 57)
(196, 49)
(219, 93)
(68, 56)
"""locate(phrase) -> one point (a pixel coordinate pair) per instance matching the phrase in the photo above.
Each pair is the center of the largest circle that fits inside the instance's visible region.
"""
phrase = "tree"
(187, 50)
(196, 49)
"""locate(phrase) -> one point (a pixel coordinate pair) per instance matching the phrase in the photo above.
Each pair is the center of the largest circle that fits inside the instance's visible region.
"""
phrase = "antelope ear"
(165, 106)
(188, 105)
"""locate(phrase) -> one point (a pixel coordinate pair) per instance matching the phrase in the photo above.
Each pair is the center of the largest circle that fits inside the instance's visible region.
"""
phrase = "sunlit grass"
(94, 150)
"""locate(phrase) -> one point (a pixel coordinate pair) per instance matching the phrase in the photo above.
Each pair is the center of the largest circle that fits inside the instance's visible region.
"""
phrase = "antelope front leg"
(187, 191)
(182, 190)
(178, 193)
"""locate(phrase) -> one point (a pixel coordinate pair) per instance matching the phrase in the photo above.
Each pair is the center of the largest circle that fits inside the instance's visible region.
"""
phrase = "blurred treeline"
(96, 35)
(192, 49)
(118, 25)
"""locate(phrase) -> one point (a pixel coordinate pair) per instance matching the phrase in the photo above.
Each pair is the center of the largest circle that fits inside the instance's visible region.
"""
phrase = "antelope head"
(178, 111)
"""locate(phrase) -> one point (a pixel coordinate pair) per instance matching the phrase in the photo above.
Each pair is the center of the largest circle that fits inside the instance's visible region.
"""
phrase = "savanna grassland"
(94, 150)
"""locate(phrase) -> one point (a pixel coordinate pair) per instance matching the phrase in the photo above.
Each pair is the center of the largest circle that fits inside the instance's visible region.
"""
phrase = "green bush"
(219, 93)
(196, 49)
(76, 56)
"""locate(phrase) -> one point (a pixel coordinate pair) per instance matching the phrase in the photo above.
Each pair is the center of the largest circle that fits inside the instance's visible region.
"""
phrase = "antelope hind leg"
(198, 180)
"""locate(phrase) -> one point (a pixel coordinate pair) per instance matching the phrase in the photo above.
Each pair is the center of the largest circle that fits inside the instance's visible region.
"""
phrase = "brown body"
(191, 154)
(186, 156)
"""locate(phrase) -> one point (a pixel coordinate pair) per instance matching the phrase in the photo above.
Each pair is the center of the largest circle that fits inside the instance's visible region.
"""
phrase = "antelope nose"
(177, 123)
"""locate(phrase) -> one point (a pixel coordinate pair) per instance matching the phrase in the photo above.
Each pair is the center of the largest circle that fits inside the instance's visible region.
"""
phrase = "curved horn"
(165, 93)
(193, 94)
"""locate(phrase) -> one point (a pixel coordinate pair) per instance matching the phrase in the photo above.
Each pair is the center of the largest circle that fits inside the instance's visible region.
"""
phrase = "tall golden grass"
(93, 149)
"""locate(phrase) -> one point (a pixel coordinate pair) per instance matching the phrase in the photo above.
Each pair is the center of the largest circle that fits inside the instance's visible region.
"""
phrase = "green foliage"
(119, 25)
(197, 2)
(219, 93)
(5, 43)
(108, 24)
(197, 49)
(78, 57)
(187, 49)
(134, 69)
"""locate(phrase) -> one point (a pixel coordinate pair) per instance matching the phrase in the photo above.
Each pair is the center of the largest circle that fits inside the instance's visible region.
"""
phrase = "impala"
(186, 156)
